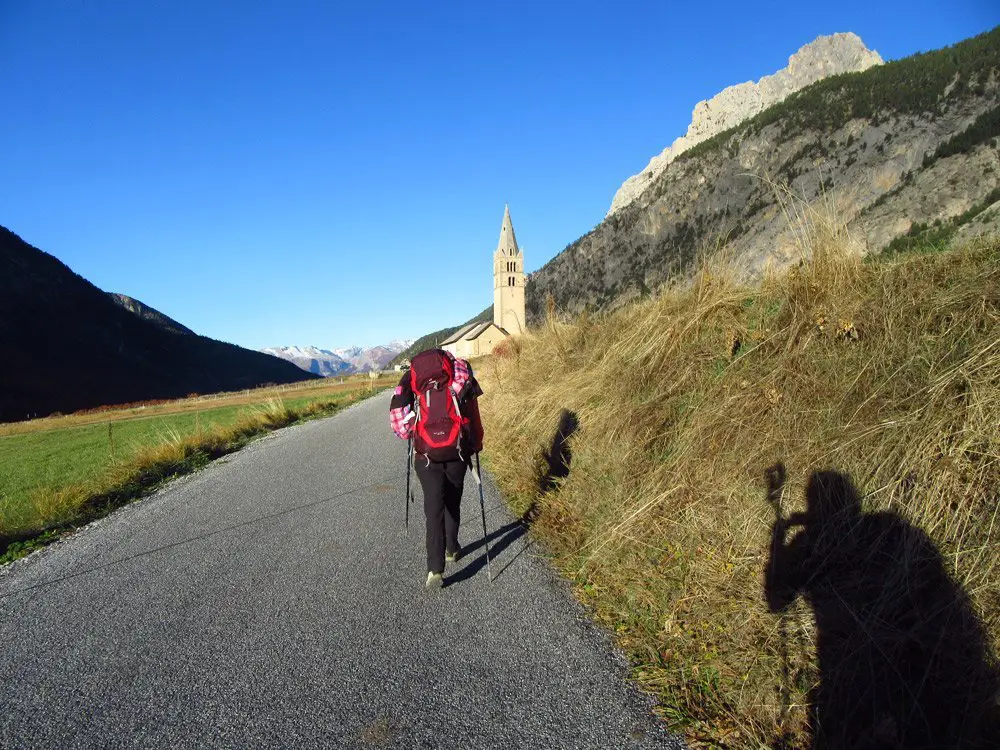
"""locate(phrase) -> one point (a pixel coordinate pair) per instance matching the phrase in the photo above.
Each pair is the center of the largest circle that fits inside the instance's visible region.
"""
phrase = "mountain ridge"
(146, 312)
(821, 58)
(67, 345)
(340, 361)
(895, 151)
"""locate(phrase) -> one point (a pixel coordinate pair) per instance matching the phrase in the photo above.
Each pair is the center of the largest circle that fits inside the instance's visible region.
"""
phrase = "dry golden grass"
(889, 373)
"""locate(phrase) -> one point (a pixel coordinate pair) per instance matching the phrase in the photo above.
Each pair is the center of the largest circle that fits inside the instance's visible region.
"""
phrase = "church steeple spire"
(508, 279)
(508, 242)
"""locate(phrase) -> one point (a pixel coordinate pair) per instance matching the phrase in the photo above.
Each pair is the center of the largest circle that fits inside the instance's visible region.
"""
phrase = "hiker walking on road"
(435, 405)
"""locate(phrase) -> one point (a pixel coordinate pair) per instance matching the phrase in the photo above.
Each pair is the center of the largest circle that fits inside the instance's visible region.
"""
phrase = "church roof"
(472, 332)
(508, 242)
(459, 334)
(482, 328)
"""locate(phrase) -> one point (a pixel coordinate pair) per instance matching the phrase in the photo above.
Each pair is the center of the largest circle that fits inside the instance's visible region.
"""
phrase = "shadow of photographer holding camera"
(903, 660)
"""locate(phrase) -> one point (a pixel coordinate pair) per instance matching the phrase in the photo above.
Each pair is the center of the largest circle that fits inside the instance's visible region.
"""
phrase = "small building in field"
(477, 339)
(474, 340)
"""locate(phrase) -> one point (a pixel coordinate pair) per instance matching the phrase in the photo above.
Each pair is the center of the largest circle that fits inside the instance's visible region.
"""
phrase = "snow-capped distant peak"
(297, 351)
(340, 361)
(347, 352)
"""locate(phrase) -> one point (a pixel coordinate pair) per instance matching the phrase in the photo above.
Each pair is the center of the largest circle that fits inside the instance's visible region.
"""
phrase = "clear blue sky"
(272, 173)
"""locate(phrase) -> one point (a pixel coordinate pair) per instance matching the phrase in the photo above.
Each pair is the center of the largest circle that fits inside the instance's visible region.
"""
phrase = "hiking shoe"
(453, 556)
(434, 580)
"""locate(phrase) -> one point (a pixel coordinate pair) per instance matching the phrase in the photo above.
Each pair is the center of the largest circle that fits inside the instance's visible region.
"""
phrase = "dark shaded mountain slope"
(146, 312)
(65, 345)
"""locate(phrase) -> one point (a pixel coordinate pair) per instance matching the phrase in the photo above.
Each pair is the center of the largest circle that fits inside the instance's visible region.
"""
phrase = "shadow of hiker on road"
(500, 539)
(903, 660)
(555, 466)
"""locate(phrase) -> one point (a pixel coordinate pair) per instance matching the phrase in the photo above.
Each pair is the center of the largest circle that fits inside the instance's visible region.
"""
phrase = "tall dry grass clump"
(653, 430)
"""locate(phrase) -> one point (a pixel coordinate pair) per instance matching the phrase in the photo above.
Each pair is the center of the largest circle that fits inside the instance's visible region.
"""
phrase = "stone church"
(477, 339)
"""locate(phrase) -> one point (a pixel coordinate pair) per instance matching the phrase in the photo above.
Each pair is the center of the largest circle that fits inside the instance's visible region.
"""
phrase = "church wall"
(508, 308)
(508, 302)
(488, 340)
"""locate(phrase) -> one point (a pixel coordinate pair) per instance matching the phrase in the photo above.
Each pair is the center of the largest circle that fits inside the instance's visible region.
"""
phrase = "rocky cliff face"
(824, 57)
(893, 151)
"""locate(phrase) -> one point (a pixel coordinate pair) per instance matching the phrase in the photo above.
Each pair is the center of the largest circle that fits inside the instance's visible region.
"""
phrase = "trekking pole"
(775, 476)
(482, 506)
(409, 462)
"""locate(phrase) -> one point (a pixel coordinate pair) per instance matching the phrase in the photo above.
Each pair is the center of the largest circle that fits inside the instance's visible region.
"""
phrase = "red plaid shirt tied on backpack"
(403, 418)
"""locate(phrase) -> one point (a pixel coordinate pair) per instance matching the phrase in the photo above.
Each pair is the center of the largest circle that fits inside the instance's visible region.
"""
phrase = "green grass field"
(58, 472)
(55, 459)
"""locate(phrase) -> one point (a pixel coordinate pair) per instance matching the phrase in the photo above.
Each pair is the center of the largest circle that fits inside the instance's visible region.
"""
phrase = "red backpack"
(437, 378)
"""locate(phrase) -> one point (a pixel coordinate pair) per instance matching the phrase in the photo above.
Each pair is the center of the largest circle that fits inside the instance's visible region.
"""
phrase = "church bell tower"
(508, 280)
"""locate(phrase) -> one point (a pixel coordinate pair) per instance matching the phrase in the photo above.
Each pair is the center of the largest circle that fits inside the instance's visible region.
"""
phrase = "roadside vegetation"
(60, 472)
(652, 432)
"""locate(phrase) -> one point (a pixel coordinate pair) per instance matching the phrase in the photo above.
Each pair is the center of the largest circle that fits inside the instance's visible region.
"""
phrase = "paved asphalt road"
(274, 600)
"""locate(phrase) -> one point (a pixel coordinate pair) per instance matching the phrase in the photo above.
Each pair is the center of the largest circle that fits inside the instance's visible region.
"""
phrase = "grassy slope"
(889, 372)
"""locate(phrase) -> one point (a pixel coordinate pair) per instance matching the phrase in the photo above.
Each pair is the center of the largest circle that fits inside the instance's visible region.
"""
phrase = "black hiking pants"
(442, 486)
